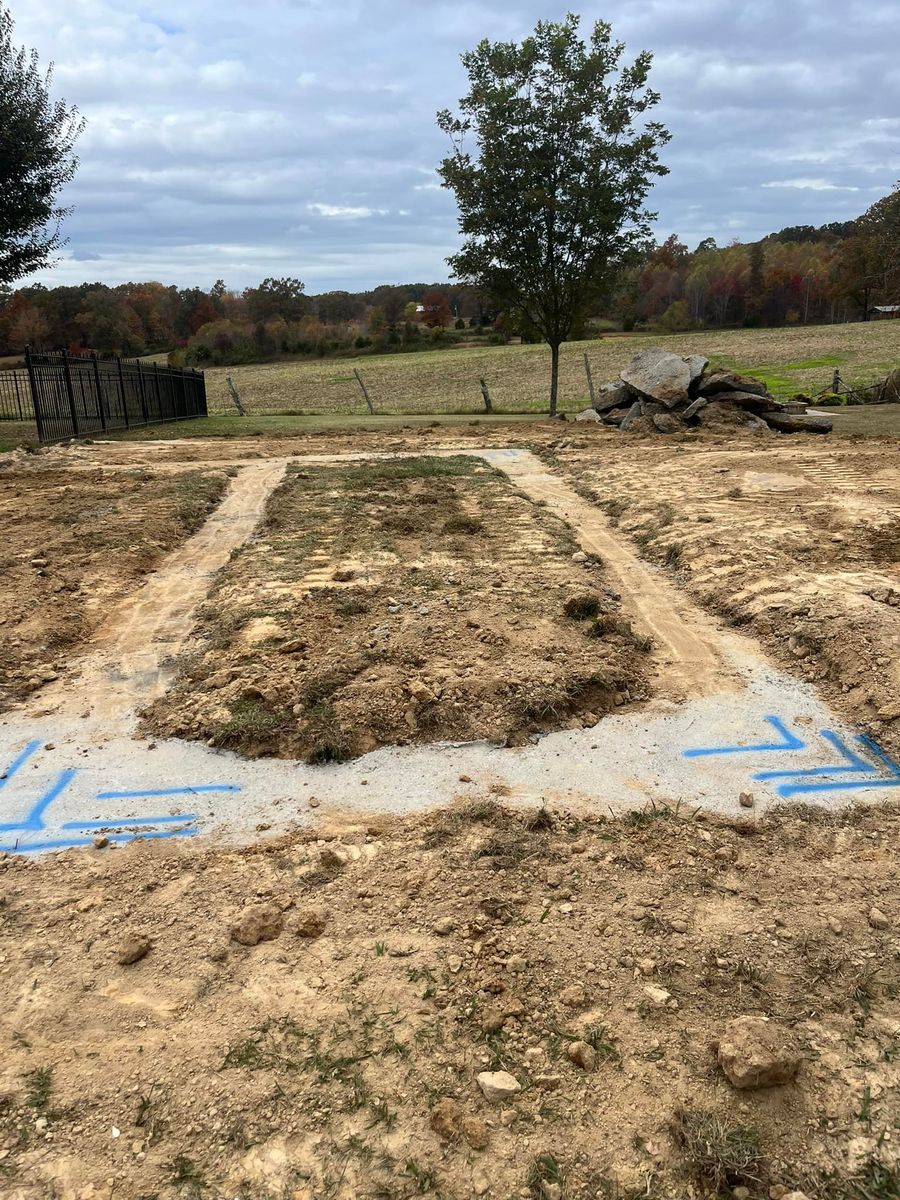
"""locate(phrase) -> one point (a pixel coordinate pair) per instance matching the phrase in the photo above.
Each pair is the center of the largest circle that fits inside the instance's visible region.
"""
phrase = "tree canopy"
(551, 201)
(36, 159)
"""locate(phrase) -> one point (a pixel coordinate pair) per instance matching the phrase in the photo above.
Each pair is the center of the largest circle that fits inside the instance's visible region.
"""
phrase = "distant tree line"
(801, 274)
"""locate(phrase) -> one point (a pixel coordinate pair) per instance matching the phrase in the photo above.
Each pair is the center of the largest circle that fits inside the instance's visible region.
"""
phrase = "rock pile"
(660, 391)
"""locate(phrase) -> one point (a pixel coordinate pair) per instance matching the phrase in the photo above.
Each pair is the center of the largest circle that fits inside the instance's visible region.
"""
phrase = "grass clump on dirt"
(718, 1153)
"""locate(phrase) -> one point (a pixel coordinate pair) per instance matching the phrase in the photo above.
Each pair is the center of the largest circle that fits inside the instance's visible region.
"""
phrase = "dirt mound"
(605, 975)
(387, 603)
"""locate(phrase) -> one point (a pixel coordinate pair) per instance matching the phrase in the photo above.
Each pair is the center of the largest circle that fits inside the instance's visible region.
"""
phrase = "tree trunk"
(554, 376)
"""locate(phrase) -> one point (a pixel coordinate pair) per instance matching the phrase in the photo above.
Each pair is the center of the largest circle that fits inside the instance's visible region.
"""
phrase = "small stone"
(573, 996)
(313, 802)
(834, 925)
(646, 966)
(678, 925)
(878, 919)
(746, 799)
(740, 1193)
(579, 556)
(450, 1121)
(481, 1185)
(795, 1196)
(420, 691)
(582, 1055)
(101, 842)
(755, 1053)
(498, 1085)
(659, 997)
(443, 926)
(310, 922)
(257, 923)
(132, 949)
(465, 779)
(334, 857)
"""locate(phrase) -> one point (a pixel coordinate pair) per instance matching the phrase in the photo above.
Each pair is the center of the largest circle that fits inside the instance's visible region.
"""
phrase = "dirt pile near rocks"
(660, 392)
(480, 1002)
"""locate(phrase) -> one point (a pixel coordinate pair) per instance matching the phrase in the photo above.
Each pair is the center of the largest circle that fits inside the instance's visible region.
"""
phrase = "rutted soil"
(798, 543)
(389, 602)
(72, 544)
(151, 1049)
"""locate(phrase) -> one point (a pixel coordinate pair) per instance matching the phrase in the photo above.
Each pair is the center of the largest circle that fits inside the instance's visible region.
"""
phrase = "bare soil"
(340, 1057)
(797, 542)
(73, 543)
(391, 602)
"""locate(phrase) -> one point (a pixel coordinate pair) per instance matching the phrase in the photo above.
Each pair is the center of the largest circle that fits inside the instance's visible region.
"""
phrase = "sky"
(238, 139)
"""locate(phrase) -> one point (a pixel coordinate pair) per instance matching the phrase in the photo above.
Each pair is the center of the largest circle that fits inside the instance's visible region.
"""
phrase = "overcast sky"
(245, 138)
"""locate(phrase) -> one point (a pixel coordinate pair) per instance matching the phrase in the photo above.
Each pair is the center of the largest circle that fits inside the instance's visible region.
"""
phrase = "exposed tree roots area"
(798, 543)
(73, 543)
(389, 602)
(310, 1019)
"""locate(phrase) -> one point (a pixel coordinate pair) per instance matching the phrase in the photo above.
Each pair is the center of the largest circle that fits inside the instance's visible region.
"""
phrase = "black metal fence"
(15, 396)
(78, 396)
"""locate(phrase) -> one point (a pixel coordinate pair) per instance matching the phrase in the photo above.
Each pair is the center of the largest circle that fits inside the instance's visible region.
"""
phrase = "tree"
(436, 310)
(37, 135)
(277, 298)
(552, 200)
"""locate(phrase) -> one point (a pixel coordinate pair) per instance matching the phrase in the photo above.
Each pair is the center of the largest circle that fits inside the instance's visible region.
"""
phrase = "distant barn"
(884, 311)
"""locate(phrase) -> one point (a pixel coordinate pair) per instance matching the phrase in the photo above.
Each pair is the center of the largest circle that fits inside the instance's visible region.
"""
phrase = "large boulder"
(634, 414)
(730, 381)
(798, 422)
(613, 395)
(750, 401)
(698, 364)
(756, 1053)
(658, 375)
(590, 415)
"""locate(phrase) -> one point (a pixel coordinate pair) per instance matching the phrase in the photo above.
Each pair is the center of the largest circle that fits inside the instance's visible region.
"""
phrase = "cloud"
(248, 140)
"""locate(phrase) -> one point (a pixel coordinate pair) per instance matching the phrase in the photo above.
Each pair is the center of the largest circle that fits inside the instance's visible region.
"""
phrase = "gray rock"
(698, 365)
(694, 408)
(730, 381)
(498, 1085)
(659, 375)
(589, 414)
(649, 408)
(614, 418)
(633, 414)
(755, 1053)
(613, 395)
(749, 401)
(666, 422)
(796, 423)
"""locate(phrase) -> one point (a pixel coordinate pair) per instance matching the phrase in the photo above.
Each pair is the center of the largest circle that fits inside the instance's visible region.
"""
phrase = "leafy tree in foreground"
(37, 135)
(552, 200)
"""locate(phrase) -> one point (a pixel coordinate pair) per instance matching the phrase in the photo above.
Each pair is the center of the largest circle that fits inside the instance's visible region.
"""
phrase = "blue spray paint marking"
(68, 843)
(122, 822)
(179, 791)
(789, 742)
(35, 819)
(17, 762)
(855, 763)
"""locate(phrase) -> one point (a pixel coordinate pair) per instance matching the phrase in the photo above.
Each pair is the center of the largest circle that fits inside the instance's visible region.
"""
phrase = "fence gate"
(81, 395)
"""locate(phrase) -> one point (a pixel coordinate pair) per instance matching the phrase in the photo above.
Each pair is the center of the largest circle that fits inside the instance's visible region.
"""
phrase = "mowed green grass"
(790, 360)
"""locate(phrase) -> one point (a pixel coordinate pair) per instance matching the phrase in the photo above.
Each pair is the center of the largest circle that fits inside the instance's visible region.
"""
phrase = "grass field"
(446, 381)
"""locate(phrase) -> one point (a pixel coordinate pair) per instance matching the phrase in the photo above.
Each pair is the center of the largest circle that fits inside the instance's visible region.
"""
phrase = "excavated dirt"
(797, 543)
(389, 602)
(72, 544)
(149, 1053)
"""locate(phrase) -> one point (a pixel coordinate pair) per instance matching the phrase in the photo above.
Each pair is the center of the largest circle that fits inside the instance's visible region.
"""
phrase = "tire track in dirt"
(130, 660)
(688, 646)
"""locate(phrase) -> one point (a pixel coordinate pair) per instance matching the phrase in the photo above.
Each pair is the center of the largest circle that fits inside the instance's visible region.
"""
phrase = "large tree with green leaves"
(37, 137)
(551, 196)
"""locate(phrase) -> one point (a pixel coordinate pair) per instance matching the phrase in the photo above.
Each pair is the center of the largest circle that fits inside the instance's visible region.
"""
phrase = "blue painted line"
(877, 752)
(17, 762)
(789, 742)
(855, 763)
(68, 843)
(787, 789)
(179, 791)
(35, 819)
(110, 823)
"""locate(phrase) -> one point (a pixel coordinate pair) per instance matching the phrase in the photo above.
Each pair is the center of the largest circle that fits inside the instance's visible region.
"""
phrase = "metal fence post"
(98, 384)
(159, 410)
(70, 393)
(140, 375)
(122, 392)
(201, 388)
(35, 402)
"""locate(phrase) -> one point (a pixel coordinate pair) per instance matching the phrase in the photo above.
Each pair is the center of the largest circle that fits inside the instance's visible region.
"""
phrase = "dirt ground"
(598, 963)
(390, 602)
(73, 543)
(796, 542)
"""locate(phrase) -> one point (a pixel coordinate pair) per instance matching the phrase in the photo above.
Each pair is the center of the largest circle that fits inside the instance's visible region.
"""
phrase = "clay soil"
(797, 541)
(72, 543)
(391, 602)
(340, 1057)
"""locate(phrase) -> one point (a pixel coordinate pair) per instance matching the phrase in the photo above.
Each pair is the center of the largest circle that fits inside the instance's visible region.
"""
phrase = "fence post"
(590, 379)
(15, 376)
(98, 384)
(365, 393)
(184, 401)
(70, 394)
(201, 387)
(140, 375)
(159, 410)
(35, 404)
(122, 392)
(487, 396)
